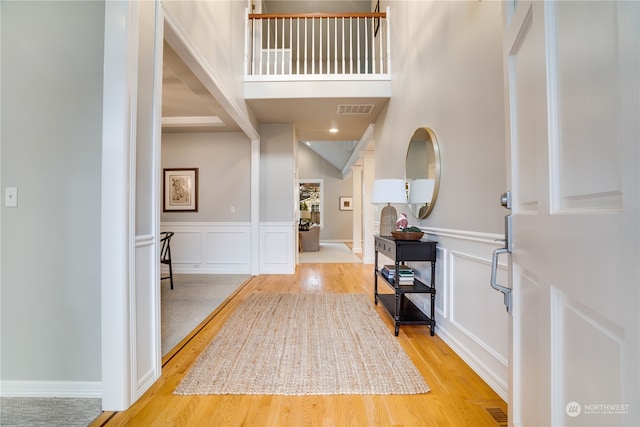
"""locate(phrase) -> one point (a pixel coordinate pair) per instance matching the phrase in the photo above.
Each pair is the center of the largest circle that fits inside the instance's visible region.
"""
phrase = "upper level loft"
(317, 55)
(329, 74)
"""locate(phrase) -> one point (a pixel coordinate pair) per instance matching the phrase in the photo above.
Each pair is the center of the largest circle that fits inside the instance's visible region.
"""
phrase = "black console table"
(403, 311)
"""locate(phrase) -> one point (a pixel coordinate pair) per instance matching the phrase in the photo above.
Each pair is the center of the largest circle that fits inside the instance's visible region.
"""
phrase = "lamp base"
(388, 218)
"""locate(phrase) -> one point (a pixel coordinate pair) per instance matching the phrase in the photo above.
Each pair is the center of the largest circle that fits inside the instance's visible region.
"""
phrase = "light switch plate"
(11, 197)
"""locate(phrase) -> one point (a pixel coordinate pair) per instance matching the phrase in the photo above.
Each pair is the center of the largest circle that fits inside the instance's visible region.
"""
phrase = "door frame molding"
(120, 383)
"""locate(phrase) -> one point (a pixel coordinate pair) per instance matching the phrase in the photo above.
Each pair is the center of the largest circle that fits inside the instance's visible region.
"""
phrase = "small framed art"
(180, 192)
(346, 203)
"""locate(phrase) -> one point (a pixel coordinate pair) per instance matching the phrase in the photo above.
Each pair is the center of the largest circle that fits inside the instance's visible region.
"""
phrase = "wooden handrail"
(318, 15)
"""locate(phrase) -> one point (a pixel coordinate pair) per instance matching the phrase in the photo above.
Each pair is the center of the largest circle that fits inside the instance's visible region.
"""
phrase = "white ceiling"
(314, 117)
(185, 97)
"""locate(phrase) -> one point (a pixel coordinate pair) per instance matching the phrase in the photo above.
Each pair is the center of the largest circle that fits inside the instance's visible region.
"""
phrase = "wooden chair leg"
(171, 274)
(165, 255)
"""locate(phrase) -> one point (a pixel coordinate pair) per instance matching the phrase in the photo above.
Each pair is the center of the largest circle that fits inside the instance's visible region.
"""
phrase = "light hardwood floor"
(458, 396)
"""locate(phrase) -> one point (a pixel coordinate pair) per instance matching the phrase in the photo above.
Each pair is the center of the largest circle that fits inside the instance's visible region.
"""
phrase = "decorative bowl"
(407, 235)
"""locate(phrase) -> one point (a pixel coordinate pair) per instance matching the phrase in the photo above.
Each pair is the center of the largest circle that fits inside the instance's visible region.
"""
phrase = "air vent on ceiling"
(355, 108)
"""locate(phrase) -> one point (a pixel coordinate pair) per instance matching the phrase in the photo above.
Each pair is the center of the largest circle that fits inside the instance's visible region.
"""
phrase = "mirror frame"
(426, 135)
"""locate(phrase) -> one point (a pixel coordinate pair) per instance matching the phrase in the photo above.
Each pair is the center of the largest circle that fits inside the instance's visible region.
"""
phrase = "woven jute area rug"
(304, 344)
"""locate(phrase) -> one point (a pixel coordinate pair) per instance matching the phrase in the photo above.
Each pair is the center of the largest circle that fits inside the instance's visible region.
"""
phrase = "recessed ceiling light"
(333, 130)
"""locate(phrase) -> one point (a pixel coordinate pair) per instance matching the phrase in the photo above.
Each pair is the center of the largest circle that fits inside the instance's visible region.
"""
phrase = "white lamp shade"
(421, 191)
(388, 191)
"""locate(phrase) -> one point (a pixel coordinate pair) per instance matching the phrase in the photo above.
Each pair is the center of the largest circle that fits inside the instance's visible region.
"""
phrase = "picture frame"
(346, 203)
(180, 190)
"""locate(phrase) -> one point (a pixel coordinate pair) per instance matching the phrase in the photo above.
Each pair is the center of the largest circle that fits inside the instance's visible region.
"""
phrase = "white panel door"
(571, 77)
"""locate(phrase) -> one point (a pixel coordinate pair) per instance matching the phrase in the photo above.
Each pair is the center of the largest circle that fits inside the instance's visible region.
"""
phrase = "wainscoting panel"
(277, 245)
(145, 327)
(470, 316)
(209, 247)
(474, 305)
(227, 247)
(186, 246)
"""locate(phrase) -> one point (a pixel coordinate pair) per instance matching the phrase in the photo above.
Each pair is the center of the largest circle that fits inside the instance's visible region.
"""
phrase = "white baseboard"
(69, 389)
(493, 379)
(368, 260)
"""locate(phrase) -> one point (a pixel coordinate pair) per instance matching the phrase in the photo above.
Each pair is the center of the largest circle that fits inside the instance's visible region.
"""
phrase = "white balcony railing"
(304, 45)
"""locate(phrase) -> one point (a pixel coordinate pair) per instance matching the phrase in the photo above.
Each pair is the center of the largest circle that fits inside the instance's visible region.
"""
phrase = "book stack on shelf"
(405, 274)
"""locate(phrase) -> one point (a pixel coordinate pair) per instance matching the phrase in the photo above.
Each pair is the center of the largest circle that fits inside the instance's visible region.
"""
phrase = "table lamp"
(388, 191)
(420, 194)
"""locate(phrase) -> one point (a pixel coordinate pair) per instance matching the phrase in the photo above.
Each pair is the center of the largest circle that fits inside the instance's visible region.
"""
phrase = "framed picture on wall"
(346, 203)
(180, 190)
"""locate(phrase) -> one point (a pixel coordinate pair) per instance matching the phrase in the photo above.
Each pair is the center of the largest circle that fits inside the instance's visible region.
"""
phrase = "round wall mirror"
(422, 172)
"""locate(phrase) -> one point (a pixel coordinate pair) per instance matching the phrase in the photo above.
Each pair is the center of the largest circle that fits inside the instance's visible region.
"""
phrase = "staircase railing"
(317, 44)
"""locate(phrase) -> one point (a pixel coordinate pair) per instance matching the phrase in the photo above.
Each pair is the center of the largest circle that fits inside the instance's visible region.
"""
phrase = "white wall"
(338, 225)
(214, 32)
(447, 75)
(277, 202)
(51, 151)
(224, 172)
(51, 140)
(277, 173)
(216, 239)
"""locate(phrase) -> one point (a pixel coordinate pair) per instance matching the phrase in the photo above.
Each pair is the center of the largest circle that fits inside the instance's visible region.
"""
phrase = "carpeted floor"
(329, 253)
(50, 412)
(192, 299)
(304, 344)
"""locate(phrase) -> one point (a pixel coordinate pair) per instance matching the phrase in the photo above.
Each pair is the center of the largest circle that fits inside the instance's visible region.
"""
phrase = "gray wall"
(447, 75)
(338, 225)
(51, 150)
(277, 169)
(224, 170)
(447, 65)
(214, 30)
